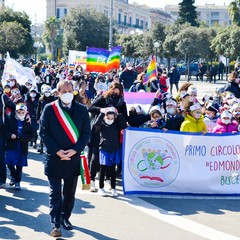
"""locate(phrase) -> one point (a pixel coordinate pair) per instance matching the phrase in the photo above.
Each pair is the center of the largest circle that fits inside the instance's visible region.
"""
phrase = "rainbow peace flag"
(103, 60)
(151, 70)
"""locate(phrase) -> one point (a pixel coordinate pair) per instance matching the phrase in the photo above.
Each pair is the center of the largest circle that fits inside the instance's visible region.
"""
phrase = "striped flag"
(103, 60)
(151, 70)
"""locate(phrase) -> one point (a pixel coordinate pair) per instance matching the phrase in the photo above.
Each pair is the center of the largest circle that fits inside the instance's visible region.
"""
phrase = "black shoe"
(12, 182)
(40, 150)
(66, 224)
(56, 232)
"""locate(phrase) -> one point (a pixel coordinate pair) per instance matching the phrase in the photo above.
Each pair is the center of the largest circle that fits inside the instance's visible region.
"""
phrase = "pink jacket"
(223, 128)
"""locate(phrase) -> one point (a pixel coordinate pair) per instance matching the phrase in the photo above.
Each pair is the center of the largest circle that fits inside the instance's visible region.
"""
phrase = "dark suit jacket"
(55, 139)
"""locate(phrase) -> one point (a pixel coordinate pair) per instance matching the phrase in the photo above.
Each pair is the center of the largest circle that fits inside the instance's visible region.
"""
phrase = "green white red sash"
(66, 122)
(72, 132)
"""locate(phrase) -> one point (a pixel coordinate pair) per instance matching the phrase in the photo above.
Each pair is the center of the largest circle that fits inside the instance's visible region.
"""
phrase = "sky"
(36, 9)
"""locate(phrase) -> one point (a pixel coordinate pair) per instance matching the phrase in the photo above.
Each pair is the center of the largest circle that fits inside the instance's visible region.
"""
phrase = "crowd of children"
(103, 96)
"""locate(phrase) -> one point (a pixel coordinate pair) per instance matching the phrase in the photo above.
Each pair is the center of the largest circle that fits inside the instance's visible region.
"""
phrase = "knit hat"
(212, 106)
(155, 109)
(21, 106)
(226, 114)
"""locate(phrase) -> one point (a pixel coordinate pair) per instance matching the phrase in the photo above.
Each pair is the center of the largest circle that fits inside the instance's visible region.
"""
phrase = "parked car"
(141, 67)
(193, 69)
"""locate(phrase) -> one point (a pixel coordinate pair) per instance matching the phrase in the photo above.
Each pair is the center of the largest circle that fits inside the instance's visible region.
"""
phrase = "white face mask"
(11, 84)
(197, 115)
(47, 94)
(109, 122)
(66, 97)
(171, 110)
(192, 99)
(33, 95)
(20, 117)
(226, 121)
(129, 68)
(209, 115)
(28, 86)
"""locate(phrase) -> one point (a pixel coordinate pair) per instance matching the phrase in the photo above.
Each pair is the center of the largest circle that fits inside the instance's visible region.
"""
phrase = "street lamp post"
(35, 45)
(156, 45)
(111, 25)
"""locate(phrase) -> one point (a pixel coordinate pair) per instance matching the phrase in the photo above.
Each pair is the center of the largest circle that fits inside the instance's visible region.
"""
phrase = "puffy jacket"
(192, 124)
(223, 128)
(233, 88)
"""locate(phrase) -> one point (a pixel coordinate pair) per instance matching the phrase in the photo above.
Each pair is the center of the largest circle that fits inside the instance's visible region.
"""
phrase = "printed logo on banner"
(154, 162)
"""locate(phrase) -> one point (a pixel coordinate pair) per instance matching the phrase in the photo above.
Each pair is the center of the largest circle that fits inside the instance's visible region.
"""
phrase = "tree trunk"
(188, 66)
(168, 63)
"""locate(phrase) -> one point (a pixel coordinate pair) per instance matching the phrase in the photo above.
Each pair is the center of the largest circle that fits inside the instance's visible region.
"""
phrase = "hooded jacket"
(191, 124)
(225, 128)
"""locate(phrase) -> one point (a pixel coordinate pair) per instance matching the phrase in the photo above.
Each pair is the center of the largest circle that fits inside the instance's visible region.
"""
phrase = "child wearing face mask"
(32, 103)
(192, 91)
(172, 118)
(226, 124)
(109, 123)
(157, 121)
(43, 100)
(18, 133)
(211, 114)
(193, 121)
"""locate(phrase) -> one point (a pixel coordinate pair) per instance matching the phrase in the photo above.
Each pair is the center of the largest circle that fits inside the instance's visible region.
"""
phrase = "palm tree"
(51, 34)
(234, 12)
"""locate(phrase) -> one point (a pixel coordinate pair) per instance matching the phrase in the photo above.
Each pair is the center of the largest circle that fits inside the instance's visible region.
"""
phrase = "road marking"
(154, 211)
(178, 221)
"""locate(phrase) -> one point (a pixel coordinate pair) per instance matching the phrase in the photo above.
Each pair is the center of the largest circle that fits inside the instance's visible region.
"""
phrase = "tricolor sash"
(72, 132)
(66, 122)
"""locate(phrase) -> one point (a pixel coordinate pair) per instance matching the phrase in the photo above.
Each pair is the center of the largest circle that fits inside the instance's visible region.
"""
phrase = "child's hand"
(165, 129)
(13, 136)
(233, 132)
(102, 110)
(154, 124)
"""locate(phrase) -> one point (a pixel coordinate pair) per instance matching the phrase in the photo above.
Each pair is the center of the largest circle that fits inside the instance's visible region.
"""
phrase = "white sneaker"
(102, 192)
(114, 193)
(92, 187)
(108, 184)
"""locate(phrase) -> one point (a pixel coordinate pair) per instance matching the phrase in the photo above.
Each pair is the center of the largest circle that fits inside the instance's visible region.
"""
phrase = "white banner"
(77, 58)
(22, 74)
(180, 163)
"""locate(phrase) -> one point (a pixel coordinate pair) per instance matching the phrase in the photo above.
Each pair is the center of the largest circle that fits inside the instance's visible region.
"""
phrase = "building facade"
(211, 14)
(126, 17)
(159, 15)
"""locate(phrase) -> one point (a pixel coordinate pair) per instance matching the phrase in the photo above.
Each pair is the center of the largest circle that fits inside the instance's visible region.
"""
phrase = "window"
(137, 22)
(214, 22)
(130, 21)
(119, 18)
(215, 15)
(105, 12)
(61, 12)
(142, 22)
(125, 20)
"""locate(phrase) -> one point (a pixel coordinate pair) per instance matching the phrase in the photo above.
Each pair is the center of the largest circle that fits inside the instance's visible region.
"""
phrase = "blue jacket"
(55, 139)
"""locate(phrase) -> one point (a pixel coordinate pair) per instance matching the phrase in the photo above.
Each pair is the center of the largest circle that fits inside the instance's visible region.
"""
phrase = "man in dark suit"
(63, 152)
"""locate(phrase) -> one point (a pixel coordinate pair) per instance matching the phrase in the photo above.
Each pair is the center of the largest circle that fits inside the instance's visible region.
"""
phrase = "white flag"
(22, 74)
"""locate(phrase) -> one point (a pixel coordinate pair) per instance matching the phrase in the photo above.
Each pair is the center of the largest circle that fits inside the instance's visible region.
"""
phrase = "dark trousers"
(61, 201)
(171, 87)
(104, 170)
(94, 162)
(16, 172)
(3, 170)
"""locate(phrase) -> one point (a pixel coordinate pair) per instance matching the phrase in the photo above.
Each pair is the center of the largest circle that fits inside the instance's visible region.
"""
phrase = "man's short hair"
(64, 82)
